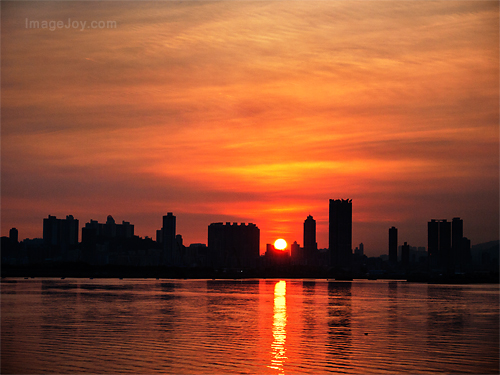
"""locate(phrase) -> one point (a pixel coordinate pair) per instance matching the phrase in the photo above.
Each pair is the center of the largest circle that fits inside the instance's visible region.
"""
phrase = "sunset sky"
(253, 111)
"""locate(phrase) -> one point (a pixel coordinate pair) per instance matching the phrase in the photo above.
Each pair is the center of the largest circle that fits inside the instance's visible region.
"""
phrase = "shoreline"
(85, 271)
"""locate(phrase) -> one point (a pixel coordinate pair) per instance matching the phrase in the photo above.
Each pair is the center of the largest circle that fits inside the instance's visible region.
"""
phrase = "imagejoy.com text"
(70, 24)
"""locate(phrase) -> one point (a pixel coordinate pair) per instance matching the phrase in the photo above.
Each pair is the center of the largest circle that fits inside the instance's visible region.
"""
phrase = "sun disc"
(280, 244)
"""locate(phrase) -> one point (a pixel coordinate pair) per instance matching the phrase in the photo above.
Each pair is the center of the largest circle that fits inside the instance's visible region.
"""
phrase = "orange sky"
(253, 111)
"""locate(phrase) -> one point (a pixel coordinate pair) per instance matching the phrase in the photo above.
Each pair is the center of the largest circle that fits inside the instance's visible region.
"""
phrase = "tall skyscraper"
(310, 245)
(393, 245)
(340, 233)
(433, 243)
(445, 254)
(51, 231)
(457, 233)
(168, 237)
(439, 244)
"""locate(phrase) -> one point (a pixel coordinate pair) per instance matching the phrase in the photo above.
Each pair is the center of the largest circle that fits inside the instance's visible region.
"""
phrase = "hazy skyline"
(251, 111)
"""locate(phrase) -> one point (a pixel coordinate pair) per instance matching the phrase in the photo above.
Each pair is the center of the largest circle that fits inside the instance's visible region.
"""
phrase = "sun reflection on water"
(278, 350)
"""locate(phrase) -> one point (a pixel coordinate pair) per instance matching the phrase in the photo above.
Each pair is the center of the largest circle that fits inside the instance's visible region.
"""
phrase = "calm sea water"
(248, 326)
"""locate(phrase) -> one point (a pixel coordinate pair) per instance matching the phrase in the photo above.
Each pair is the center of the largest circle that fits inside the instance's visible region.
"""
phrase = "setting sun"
(280, 244)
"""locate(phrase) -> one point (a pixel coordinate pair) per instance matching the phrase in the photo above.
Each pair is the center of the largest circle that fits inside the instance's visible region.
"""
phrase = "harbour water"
(247, 326)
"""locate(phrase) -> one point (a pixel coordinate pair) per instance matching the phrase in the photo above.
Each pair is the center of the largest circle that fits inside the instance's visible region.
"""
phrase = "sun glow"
(280, 244)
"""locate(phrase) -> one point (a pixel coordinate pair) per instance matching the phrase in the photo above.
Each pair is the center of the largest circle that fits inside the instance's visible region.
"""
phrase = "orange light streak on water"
(278, 347)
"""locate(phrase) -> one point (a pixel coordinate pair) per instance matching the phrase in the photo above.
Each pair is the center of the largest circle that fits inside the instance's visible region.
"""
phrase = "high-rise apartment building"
(439, 244)
(233, 245)
(393, 245)
(310, 249)
(340, 233)
(60, 232)
(168, 238)
(310, 245)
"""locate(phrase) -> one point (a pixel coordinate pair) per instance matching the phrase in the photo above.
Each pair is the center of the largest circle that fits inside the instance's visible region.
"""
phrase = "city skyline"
(253, 112)
(339, 224)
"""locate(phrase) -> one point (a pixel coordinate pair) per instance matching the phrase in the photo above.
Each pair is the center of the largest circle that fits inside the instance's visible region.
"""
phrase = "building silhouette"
(433, 243)
(466, 256)
(10, 247)
(360, 251)
(393, 245)
(340, 233)
(439, 244)
(107, 231)
(310, 244)
(168, 239)
(277, 258)
(405, 256)
(14, 235)
(106, 243)
(233, 246)
(59, 236)
(459, 256)
(296, 253)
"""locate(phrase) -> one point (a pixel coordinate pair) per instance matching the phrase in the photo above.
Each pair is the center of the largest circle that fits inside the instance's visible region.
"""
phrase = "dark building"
(457, 226)
(108, 230)
(10, 248)
(14, 235)
(393, 245)
(433, 243)
(296, 253)
(460, 247)
(310, 245)
(361, 249)
(233, 245)
(405, 256)
(439, 244)
(51, 228)
(159, 237)
(457, 250)
(60, 234)
(196, 255)
(445, 254)
(275, 257)
(310, 250)
(340, 233)
(106, 243)
(466, 260)
(168, 239)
